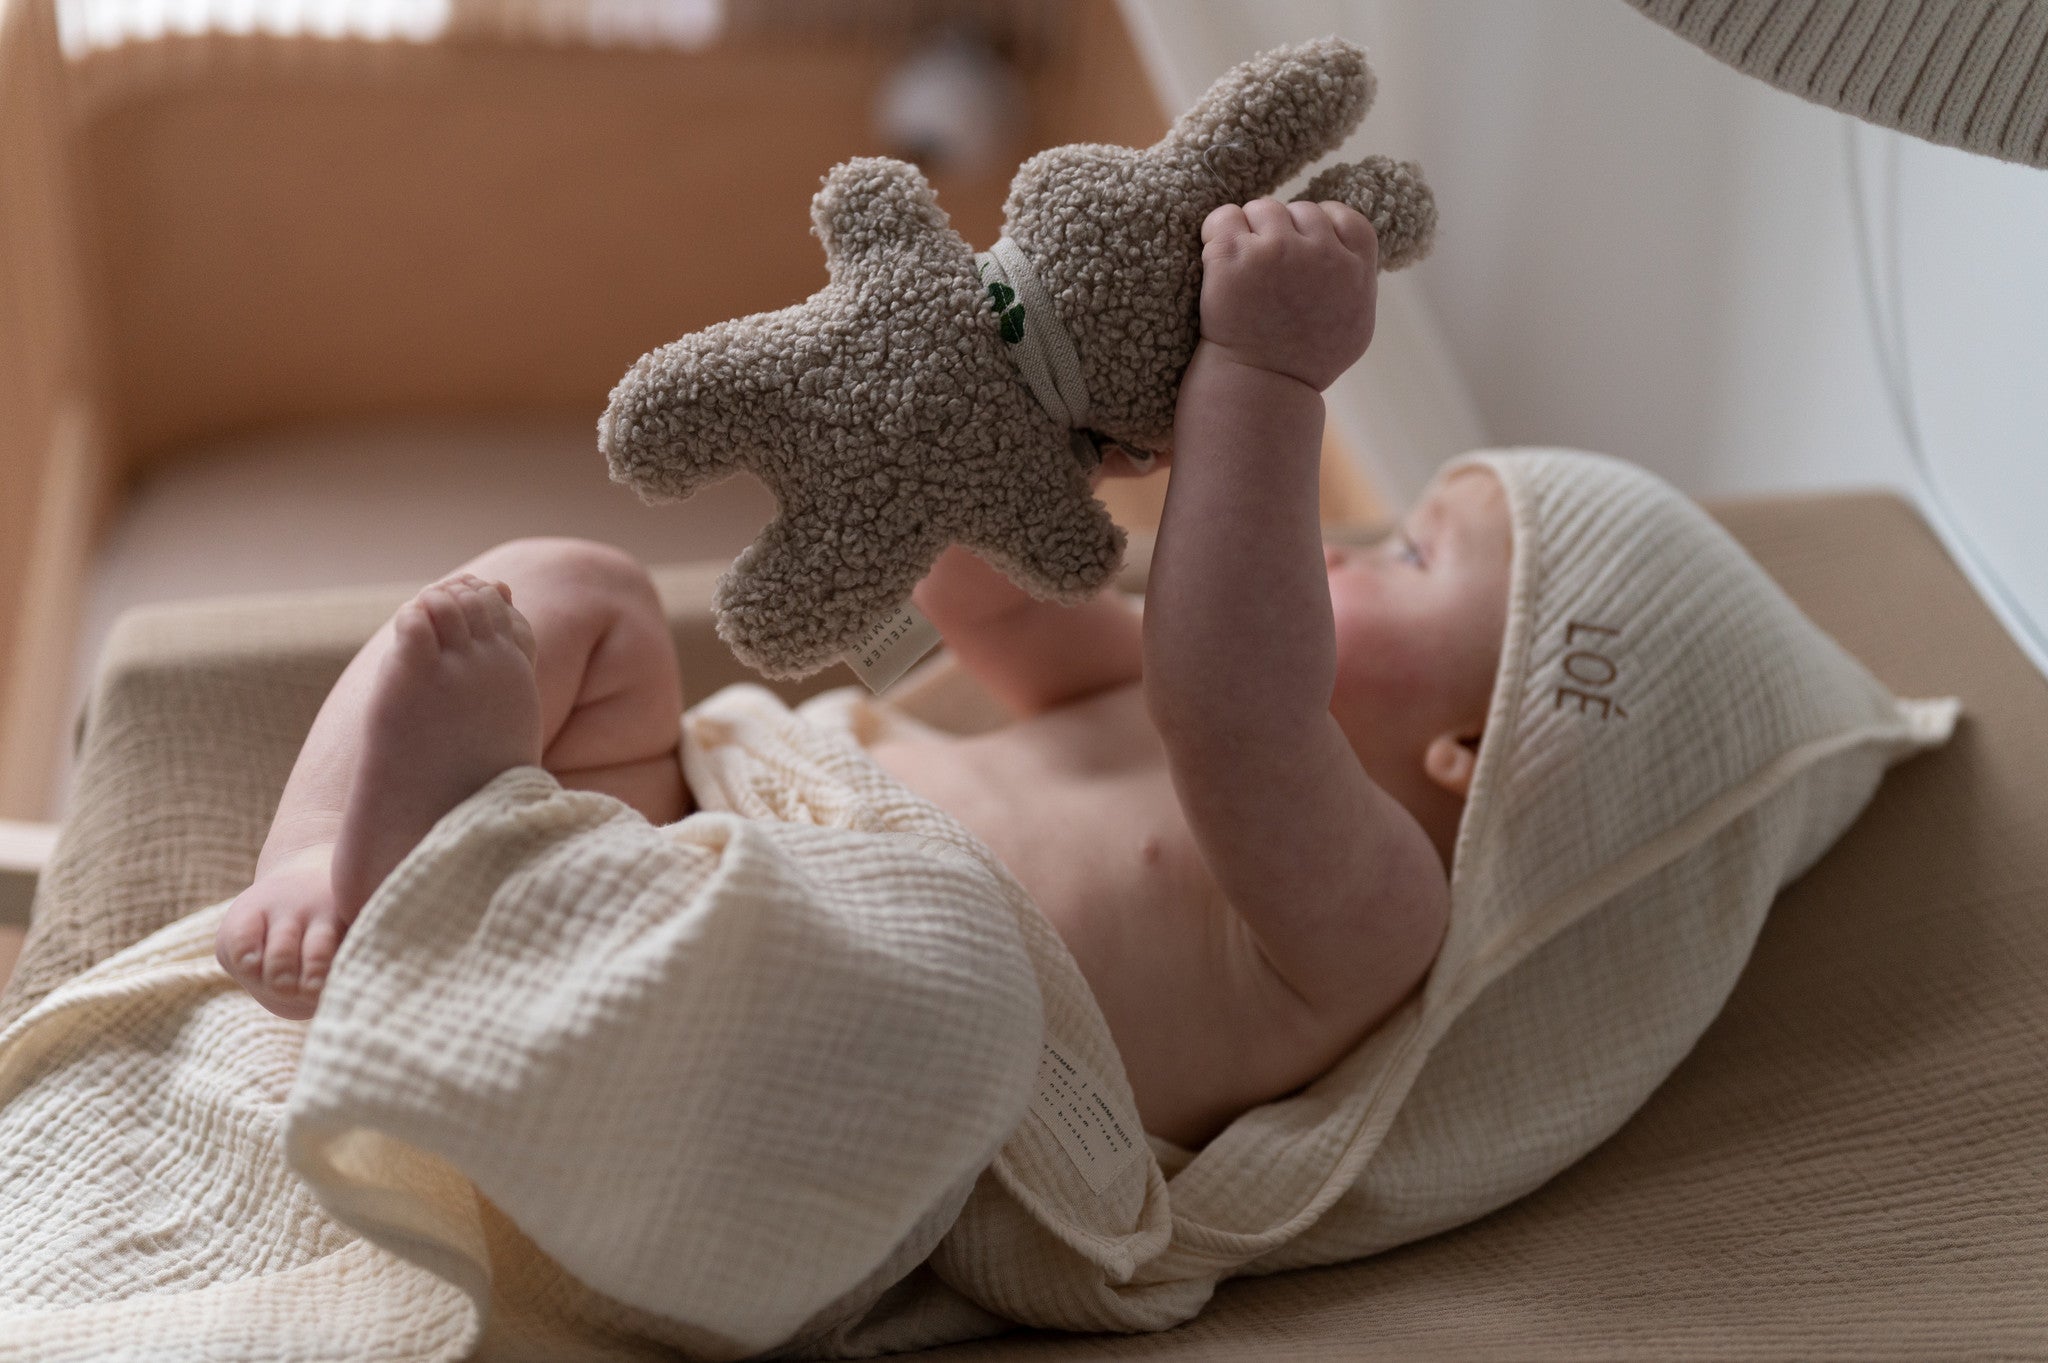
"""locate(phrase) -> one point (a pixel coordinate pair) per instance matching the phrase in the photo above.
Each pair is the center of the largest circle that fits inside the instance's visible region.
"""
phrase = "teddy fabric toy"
(928, 395)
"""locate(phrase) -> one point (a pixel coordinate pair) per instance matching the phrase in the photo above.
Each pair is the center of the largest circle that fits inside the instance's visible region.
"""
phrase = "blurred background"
(299, 294)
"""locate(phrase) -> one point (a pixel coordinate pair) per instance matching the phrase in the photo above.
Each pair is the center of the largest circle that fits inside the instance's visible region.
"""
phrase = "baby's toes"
(476, 600)
(445, 609)
(505, 621)
(521, 631)
(488, 609)
(316, 951)
(238, 946)
(281, 951)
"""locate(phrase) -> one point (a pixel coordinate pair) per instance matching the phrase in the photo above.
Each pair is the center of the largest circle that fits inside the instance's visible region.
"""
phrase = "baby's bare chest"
(1080, 805)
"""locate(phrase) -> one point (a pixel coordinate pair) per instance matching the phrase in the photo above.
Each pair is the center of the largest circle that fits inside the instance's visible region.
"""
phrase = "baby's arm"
(1032, 655)
(1239, 653)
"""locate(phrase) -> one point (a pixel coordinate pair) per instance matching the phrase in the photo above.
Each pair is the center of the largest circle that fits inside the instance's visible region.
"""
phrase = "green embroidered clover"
(1001, 296)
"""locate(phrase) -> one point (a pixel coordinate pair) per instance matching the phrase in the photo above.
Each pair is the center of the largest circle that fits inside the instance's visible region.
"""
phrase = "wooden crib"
(204, 237)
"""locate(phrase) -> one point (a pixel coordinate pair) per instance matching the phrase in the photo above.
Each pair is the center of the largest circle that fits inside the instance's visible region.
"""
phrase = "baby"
(1238, 808)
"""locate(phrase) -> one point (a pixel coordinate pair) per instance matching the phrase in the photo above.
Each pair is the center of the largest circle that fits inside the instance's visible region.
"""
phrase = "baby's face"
(1419, 619)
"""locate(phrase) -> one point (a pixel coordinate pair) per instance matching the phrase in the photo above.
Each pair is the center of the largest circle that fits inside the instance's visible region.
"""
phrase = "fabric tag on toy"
(888, 650)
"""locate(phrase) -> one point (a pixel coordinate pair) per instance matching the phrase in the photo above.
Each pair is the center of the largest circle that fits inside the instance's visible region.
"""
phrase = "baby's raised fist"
(1290, 287)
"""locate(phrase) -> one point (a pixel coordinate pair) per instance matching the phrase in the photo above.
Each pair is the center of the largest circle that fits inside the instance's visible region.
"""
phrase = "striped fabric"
(1964, 73)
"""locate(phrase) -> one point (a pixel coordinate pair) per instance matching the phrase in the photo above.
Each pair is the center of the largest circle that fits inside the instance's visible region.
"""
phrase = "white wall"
(1967, 298)
(1644, 252)
(1407, 407)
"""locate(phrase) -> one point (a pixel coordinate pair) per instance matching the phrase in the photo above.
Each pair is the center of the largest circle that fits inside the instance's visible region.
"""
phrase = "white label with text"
(888, 650)
(1069, 1100)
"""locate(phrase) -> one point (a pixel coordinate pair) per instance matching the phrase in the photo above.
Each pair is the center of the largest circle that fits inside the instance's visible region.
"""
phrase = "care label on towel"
(1069, 1100)
(886, 652)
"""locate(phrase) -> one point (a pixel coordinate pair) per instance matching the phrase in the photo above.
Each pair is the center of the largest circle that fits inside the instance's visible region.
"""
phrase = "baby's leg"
(440, 708)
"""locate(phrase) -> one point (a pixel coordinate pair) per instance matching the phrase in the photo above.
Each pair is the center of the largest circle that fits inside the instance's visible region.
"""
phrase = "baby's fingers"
(1269, 217)
(1354, 229)
(1311, 221)
(1226, 220)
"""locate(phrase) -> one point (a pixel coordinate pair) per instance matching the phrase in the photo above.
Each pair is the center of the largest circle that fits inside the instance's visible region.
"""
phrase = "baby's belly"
(1205, 1029)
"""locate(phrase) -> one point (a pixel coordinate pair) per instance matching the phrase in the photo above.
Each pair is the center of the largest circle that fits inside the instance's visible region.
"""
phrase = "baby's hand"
(1290, 287)
(1118, 462)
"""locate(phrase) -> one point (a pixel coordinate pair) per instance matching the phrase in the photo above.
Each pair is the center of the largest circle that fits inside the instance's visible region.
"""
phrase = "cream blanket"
(578, 1083)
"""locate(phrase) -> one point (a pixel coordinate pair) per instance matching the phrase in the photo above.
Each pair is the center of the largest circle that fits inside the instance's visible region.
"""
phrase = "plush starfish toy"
(929, 396)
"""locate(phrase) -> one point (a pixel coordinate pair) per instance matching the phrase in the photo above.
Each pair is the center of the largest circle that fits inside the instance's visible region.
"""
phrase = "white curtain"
(90, 25)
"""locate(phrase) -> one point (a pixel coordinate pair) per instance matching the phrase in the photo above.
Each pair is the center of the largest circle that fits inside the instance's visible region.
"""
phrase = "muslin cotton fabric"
(1670, 742)
(578, 1085)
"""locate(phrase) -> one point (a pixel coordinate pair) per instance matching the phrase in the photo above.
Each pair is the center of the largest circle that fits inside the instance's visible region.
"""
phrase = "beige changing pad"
(1847, 1165)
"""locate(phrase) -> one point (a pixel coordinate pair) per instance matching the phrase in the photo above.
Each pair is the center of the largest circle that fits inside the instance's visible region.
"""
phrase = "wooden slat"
(10, 951)
(24, 850)
(25, 846)
(53, 471)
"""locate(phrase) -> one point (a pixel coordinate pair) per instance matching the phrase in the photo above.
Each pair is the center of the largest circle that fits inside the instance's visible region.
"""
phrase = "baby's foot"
(455, 703)
(280, 934)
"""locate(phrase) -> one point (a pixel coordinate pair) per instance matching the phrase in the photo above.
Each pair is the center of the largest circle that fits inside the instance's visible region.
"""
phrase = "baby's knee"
(588, 571)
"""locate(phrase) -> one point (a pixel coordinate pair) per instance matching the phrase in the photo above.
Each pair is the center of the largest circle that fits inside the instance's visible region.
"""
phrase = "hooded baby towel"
(1670, 742)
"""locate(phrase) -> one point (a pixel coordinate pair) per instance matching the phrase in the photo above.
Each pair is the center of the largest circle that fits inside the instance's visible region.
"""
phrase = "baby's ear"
(1267, 118)
(1450, 761)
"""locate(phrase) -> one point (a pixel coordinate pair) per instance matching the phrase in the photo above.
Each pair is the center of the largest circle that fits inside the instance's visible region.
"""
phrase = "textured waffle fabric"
(1575, 976)
(1670, 742)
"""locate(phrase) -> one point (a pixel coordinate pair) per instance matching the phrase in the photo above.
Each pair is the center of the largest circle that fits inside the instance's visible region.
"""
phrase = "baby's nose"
(1332, 556)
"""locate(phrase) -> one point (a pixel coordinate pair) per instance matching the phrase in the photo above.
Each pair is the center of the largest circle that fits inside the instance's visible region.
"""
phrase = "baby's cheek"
(1387, 672)
(1477, 653)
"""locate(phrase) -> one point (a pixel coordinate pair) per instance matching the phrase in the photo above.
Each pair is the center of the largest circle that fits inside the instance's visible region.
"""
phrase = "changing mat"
(805, 1072)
